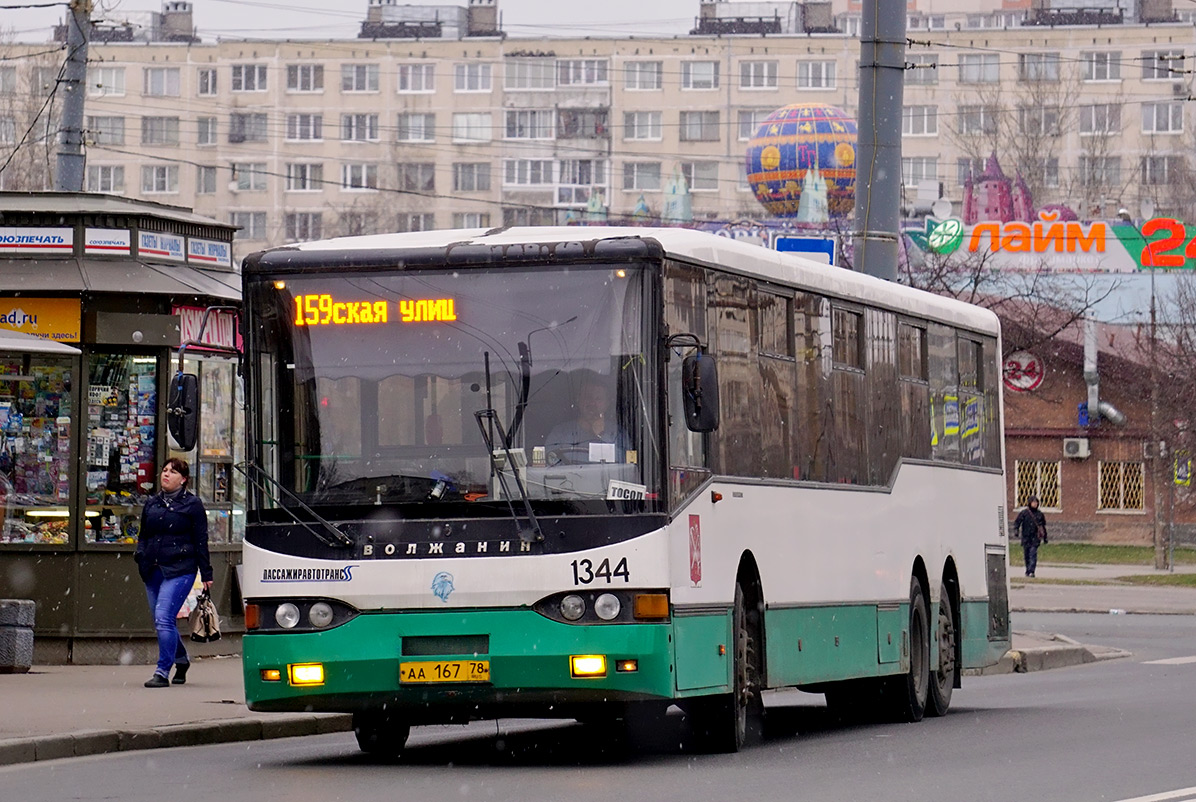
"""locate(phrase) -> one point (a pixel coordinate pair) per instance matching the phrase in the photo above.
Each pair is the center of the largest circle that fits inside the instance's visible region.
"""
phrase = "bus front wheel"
(725, 723)
(380, 734)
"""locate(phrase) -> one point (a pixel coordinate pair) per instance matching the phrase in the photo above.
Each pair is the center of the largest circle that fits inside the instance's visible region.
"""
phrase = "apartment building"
(294, 140)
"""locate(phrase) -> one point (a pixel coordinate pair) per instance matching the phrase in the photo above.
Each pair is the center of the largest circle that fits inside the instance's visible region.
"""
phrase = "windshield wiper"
(338, 539)
(532, 534)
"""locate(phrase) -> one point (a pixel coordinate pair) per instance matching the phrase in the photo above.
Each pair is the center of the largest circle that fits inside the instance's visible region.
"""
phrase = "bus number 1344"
(584, 571)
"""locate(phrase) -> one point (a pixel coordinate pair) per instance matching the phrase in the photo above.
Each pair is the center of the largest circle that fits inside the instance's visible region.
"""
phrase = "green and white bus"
(588, 472)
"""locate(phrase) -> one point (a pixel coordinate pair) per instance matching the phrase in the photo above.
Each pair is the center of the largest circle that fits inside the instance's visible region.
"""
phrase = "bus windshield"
(370, 387)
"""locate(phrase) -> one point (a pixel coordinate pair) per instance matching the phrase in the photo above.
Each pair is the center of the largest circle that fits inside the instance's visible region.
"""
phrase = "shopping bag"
(205, 622)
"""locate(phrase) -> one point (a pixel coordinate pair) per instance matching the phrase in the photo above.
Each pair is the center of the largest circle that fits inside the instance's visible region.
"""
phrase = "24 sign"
(1023, 371)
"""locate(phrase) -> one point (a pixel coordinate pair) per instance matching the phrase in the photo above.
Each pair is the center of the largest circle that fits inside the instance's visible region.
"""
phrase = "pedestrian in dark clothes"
(1030, 526)
(171, 546)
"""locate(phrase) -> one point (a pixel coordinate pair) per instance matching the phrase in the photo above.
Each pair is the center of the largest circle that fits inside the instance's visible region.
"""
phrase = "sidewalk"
(64, 711)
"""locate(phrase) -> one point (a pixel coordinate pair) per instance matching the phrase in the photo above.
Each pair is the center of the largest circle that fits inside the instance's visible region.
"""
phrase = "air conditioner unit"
(1076, 447)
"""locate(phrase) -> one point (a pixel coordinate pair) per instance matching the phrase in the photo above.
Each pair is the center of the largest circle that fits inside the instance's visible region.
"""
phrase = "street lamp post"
(1146, 210)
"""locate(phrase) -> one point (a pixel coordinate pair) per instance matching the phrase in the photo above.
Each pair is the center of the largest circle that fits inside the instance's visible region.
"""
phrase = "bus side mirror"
(699, 389)
(182, 410)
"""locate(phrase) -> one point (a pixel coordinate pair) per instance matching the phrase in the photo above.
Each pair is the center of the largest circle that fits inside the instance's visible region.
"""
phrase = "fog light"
(651, 605)
(306, 673)
(271, 675)
(587, 665)
(320, 615)
(287, 615)
(573, 607)
(627, 665)
(607, 606)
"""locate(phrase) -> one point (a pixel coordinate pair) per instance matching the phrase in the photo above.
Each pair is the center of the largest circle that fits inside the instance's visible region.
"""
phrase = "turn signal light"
(306, 673)
(627, 665)
(651, 605)
(253, 616)
(271, 675)
(584, 666)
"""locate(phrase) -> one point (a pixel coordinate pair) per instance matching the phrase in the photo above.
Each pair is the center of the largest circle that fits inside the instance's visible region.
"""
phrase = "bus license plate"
(445, 671)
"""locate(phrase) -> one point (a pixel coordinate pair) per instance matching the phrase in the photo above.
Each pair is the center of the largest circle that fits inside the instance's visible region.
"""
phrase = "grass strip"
(1098, 554)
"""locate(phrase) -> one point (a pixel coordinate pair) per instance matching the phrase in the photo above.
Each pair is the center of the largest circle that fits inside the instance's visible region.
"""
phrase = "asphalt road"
(1119, 730)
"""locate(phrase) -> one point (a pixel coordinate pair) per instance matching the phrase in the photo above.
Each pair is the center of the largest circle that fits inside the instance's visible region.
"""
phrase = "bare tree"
(28, 116)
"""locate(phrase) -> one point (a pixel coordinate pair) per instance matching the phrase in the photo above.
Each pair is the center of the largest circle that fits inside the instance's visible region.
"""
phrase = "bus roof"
(680, 243)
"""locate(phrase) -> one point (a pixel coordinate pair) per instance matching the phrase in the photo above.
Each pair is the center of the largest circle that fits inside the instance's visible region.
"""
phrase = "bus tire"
(906, 695)
(942, 676)
(727, 722)
(380, 734)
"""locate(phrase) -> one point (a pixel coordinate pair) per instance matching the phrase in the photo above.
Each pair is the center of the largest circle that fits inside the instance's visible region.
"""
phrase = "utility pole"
(876, 240)
(71, 165)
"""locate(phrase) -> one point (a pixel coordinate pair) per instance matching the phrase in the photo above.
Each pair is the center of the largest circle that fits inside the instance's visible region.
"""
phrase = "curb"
(1100, 611)
(1065, 654)
(97, 742)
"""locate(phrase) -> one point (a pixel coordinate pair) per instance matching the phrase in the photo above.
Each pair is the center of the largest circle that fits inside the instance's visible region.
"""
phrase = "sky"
(339, 19)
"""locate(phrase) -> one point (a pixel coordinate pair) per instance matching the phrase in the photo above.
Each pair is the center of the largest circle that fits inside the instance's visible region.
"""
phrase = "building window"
(207, 81)
(206, 134)
(1100, 118)
(471, 77)
(205, 180)
(159, 130)
(581, 72)
(529, 73)
(577, 178)
(417, 176)
(471, 127)
(471, 177)
(977, 120)
(105, 81)
(159, 178)
(968, 167)
(922, 69)
(105, 178)
(250, 176)
(8, 130)
(253, 224)
(701, 176)
(1121, 486)
(699, 126)
(358, 176)
(301, 226)
(8, 80)
(161, 81)
(103, 130)
(1038, 478)
(642, 125)
(417, 78)
(305, 127)
(471, 220)
(643, 75)
(1100, 171)
(757, 75)
(359, 77)
(415, 221)
(918, 168)
(643, 176)
(249, 78)
(1101, 66)
(748, 121)
(359, 127)
(1033, 67)
(1163, 65)
(305, 77)
(527, 172)
(699, 75)
(1038, 121)
(920, 120)
(979, 68)
(529, 124)
(1163, 118)
(815, 75)
(417, 127)
(354, 224)
(582, 123)
(1162, 170)
(247, 127)
(528, 216)
(305, 177)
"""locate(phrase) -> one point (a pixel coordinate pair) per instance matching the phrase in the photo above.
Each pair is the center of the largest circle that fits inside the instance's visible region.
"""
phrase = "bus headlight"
(573, 607)
(287, 615)
(607, 606)
(320, 615)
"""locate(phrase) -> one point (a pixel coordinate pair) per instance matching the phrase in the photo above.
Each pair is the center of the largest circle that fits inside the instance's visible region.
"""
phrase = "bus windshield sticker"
(625, 491)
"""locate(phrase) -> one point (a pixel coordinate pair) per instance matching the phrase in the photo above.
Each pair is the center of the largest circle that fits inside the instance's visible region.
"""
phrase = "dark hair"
(180, 467)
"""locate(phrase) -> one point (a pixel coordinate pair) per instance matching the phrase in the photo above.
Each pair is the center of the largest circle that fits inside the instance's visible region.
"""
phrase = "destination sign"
(325, 310)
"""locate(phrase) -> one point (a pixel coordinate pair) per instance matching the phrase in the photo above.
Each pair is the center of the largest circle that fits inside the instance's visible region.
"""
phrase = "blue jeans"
(166, 597)
(1030, 552)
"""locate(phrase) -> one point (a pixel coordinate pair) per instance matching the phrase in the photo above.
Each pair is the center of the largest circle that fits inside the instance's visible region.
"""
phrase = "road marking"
(1163, 796)
(1171, 661)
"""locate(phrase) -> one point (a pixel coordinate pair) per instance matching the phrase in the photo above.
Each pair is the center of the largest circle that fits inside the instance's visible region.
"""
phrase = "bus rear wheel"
(942, 678)
(906, 695)
(380, 734)
(727, 722)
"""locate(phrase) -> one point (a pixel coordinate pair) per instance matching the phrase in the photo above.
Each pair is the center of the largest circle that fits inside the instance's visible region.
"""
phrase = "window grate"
(1121, 486)
(1038, 478)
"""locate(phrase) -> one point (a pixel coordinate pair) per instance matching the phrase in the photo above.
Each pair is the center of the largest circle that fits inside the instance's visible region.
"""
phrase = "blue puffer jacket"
(174, 537)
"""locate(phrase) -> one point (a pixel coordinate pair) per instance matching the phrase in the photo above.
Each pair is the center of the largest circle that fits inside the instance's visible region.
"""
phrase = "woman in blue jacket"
(171, 546)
